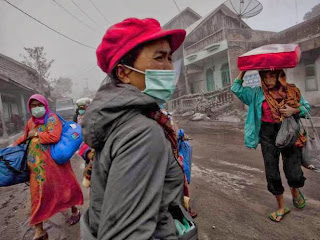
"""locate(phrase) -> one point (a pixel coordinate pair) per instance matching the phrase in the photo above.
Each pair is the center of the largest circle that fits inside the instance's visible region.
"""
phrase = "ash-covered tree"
(36, 58)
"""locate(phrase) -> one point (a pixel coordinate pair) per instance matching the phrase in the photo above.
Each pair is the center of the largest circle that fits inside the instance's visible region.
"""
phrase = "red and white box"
(274, 56)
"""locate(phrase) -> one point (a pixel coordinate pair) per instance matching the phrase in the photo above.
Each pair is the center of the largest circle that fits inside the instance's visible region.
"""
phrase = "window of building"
(195, 87)
(311, 78)
(225, 74)
(210, 80)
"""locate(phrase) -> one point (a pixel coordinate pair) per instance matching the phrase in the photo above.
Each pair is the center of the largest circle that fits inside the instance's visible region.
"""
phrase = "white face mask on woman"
(159, 83)
(38, 112)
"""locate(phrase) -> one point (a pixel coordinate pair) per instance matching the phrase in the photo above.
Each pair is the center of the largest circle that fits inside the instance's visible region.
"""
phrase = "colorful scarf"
(166, 122)
(286, 94)
(44, 101)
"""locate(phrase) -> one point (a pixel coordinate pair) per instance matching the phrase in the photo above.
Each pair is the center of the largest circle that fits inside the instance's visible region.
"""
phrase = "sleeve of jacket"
(305, 107)
(135, 183)
(245, 94)
(84, 150)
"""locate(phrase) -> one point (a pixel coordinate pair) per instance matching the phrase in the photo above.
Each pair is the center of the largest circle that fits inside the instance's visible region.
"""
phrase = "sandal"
(297, 200)
(43, 237)
(286, 211)
(75, 218)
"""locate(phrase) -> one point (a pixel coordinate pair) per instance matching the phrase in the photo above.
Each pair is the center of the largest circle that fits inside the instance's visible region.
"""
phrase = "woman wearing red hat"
(137, 182)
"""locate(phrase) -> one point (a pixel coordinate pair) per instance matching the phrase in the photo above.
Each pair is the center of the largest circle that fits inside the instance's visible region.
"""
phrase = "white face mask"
(159, 83)
(38, 112)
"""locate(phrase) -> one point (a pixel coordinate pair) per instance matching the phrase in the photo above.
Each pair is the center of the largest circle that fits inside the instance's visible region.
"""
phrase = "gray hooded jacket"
(135, 176)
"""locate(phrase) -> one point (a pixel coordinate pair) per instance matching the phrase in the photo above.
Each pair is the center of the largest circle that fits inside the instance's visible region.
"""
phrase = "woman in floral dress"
(53, 187)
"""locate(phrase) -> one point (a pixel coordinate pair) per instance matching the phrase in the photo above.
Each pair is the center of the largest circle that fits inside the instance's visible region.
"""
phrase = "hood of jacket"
(113, 105)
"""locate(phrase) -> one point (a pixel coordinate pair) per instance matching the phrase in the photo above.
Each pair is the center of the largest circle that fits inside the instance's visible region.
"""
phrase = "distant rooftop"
(17, 72)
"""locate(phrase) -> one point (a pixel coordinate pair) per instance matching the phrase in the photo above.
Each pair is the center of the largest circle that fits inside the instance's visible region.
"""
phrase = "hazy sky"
(78, 62)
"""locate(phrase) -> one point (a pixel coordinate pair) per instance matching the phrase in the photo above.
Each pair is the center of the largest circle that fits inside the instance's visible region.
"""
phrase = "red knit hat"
(126, 35)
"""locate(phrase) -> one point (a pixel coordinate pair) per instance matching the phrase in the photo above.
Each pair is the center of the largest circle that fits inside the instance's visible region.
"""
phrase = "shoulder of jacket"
(139, 124)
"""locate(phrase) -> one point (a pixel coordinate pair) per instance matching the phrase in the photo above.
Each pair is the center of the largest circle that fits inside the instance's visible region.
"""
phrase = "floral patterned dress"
(53, 187)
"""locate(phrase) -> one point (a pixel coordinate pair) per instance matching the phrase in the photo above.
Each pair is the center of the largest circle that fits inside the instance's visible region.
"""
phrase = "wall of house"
(199, 79)
(217, 64)
(13, 112)
(218, 21)
(196, 82)
(248, 35)
(234, 51)
(298, 77)
(304, 30)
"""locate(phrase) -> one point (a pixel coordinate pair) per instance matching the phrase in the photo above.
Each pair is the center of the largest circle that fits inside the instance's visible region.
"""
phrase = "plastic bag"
(288, 133)
(311, 150)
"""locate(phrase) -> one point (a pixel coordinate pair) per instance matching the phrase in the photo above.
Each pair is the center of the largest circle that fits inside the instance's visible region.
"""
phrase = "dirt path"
(228, 188)
(15, 211)
(229, 191)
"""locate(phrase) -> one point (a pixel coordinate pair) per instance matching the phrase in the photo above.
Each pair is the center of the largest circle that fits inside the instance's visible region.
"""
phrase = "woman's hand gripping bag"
(274, 56)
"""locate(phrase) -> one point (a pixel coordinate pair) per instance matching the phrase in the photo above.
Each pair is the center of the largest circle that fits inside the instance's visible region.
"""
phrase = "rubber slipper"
(75, 218)
(296, 201)
(286, 211)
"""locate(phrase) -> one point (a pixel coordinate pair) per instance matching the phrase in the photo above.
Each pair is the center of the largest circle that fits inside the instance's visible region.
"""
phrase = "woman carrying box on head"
(276, 99)
(268, 105)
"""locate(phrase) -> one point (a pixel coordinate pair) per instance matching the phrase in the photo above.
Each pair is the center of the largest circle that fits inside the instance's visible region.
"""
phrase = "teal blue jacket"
(253, 97)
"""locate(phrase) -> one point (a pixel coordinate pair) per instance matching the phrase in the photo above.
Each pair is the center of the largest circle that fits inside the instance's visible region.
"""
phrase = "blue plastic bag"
(69, 143)
(185, 150)
(13, 165)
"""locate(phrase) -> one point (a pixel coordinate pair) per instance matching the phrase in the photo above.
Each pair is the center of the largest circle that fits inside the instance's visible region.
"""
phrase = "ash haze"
(78, 62)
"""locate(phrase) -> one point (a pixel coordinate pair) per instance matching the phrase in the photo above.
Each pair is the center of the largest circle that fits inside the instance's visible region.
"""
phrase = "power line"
(100, 12)
(48, 26)
(75, 17)
(84, 12)
(176, 5)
